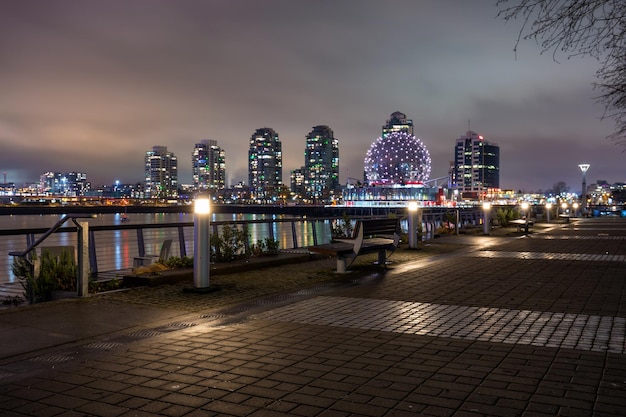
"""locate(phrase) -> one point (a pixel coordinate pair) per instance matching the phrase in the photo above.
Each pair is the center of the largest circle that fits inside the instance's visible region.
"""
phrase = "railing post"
(140, 243)
(93, 259)
(313, 224)
(30, 239)
(181, 242)
(294, 235)
(246, 233)
(83, 259)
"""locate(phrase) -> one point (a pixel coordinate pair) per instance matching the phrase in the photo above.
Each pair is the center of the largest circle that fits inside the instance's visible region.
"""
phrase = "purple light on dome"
(398, 158)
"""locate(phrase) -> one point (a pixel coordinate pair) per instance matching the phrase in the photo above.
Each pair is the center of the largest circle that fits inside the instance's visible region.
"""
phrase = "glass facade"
(321, 164)
(161, 173)
(208, 166)
(476, 165)
(265, 165)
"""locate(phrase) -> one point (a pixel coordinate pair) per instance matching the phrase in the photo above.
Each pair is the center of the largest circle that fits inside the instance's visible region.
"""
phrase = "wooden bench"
(372, 235)
(565, 217)
(147, 259)
(522, 223)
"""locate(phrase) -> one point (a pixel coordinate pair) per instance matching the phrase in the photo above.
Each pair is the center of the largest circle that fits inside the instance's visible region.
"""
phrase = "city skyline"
(89, 87)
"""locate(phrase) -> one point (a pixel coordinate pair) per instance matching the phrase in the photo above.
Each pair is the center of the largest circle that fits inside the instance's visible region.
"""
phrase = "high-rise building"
(398, 123)
(476, 166)
(208, 166)
(69, 184)
(297, 179)
(161, 173)
(321, 164)
(265, 165)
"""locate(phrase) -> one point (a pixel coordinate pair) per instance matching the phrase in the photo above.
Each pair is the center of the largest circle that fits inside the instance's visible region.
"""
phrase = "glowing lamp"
(202, 206)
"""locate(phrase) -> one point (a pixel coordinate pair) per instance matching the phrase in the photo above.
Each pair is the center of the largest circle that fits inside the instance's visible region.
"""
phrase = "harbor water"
(116, 249)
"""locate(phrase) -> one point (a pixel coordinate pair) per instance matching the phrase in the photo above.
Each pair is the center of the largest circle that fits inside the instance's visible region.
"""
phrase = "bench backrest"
(366, 229)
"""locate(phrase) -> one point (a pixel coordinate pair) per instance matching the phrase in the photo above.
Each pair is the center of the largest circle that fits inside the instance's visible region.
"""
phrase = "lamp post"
(201, 243)
(412, 206)
(548, 208)
(486, 218)
(584, 168)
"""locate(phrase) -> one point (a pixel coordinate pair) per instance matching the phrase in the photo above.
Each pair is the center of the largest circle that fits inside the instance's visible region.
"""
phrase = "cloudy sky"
(91, 85)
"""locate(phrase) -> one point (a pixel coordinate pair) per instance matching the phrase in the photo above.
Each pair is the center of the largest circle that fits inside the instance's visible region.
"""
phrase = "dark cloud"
(91, 86)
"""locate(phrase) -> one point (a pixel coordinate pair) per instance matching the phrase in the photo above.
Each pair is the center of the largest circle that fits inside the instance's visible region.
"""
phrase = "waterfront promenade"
(501, 326)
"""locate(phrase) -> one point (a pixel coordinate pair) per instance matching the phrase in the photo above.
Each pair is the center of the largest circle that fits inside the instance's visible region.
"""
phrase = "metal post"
(83, 259)
(201, 244)
(548, 208)
(584, 168)
(486, 217)
(412, 206)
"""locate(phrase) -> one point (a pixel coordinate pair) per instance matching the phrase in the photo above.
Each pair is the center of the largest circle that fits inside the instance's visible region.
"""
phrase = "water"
(117, 249)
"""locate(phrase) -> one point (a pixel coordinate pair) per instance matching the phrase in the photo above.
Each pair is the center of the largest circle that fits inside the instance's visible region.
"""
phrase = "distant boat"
(124, 218)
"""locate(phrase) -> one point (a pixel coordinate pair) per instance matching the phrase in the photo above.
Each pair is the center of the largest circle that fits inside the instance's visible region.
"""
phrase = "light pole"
(486, 218)
(548, 208)
(412, 206)
(584, 168)
(201, 243)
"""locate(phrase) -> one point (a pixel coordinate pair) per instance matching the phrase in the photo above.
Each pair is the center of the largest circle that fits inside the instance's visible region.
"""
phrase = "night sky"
(91, 85)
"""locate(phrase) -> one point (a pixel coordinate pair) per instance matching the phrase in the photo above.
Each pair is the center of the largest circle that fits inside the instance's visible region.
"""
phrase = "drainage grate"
(56, 357)
(103, 345)
(144, 333)
(213, 316)
(181, 325)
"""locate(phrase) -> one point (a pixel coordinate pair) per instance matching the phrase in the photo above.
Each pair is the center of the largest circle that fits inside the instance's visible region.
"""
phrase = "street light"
(412, 206)
(584, 168)
(201, 243)
(487, 215)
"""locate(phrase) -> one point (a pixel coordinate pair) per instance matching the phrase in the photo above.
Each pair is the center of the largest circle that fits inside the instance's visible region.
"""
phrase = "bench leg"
(341, 265)
(382, 257)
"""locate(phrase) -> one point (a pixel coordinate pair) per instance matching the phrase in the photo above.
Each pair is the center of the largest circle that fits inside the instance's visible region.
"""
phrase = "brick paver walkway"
(527, 326)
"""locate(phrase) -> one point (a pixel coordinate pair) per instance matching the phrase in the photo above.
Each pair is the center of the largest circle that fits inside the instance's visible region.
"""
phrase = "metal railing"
(113, 247)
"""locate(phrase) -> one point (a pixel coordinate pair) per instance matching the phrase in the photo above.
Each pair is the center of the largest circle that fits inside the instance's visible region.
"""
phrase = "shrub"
(55, 273)
(271, 246)
(341, 228)
(229, 246)
(179, 263)
(504, 215)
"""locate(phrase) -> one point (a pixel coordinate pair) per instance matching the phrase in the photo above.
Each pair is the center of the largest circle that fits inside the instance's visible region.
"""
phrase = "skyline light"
(397, 158)
(90, 86)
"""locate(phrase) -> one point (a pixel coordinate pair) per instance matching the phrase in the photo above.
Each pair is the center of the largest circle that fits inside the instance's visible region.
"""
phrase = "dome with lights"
(397, 158)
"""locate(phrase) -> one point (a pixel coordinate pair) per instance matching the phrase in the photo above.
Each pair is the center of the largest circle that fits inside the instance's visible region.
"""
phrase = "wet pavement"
(528, 325)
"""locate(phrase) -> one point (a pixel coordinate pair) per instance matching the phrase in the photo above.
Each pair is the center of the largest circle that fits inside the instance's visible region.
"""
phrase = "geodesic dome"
(398, 158)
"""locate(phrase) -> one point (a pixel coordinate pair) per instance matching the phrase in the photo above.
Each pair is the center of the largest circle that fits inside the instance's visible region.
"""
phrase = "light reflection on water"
(117, 249)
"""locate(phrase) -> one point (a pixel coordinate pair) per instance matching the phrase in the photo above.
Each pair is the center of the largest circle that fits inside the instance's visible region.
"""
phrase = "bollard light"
(487, 216)
(548, 208)
(412, 206)
(201, 242)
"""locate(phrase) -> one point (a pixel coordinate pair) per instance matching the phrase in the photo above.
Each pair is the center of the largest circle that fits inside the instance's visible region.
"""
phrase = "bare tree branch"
(594, 28)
